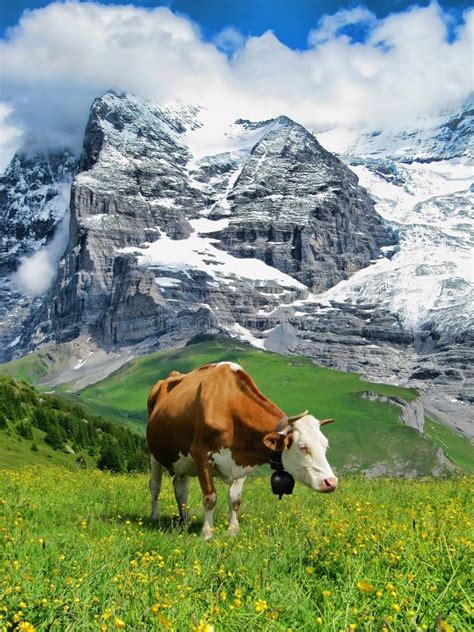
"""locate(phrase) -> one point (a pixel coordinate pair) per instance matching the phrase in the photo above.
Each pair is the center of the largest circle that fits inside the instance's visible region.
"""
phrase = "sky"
(326, 64)
(290, 20)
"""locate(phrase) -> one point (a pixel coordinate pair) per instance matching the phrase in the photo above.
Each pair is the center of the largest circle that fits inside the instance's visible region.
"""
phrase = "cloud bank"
(57, 59)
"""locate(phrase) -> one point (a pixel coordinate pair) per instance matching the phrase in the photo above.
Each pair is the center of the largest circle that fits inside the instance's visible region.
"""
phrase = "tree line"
(67, 426)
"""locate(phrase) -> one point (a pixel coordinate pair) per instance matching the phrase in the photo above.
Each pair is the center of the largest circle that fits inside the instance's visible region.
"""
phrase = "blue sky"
(290, 20)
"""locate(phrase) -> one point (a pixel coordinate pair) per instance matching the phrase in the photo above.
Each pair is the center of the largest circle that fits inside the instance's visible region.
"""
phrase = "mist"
(36, 272)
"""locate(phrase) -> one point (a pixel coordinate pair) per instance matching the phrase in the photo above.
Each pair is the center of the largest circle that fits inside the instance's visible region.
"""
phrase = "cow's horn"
(291, 420)
(323, 422)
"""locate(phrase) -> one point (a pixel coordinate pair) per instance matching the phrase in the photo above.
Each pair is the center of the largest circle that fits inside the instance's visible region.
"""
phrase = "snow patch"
(429, 278)
(199, 253)
(244, 335)
(165, 282)
(82, 362)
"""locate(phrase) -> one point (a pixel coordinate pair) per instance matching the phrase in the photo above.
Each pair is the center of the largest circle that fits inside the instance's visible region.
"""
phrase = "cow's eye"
(304, 448)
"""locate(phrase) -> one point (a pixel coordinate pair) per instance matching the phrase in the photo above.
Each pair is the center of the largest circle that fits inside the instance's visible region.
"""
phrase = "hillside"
(41, 428)
(368, 434)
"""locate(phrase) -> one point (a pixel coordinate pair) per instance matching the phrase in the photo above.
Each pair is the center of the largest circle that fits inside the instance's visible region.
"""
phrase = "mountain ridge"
(261, 234)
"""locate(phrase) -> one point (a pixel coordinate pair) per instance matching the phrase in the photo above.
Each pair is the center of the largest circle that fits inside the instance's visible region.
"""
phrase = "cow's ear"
(278, 442)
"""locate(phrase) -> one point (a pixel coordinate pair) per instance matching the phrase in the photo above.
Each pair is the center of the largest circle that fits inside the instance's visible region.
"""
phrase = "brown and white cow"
(214, 420)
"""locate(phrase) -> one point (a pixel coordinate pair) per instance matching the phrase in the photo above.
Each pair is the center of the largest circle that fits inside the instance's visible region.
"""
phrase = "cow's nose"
(330, 484)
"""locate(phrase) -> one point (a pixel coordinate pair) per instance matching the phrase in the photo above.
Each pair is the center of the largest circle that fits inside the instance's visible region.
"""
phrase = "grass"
(15, 452)
(387, 555)
(368, 434)
(31, 368)
(458, 448)
(291, 379)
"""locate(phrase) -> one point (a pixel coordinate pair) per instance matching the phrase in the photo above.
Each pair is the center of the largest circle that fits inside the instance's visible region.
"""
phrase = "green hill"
(41, 428)
(368, 434)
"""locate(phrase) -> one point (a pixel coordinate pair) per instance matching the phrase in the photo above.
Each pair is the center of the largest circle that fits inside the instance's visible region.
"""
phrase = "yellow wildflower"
(261, 605)
(326, 593)
(203, 626)
(365, 586)
(119, 623)
(24, 626)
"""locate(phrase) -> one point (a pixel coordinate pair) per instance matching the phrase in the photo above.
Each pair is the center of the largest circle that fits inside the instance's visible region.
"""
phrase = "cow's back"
(176, 411)
(216, 406)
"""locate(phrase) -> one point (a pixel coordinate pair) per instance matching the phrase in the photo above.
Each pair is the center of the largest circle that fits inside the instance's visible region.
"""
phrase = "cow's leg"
(204, 472)
(235, 501)
(181, 487)
(156, 474)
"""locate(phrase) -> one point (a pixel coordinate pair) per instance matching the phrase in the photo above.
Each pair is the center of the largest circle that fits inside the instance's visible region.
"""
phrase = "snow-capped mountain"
(179, 226)
(427, 282)
(448, 136)
(34, 217)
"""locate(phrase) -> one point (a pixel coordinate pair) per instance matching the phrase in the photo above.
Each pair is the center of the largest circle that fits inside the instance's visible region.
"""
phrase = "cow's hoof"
(154, 519)
(207, 534)
(234, 530)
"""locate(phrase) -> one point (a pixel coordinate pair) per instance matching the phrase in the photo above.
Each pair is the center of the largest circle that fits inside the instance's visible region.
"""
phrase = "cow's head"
(303, 447)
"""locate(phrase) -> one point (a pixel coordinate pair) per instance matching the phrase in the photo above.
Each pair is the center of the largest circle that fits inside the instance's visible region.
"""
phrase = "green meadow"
(79, 554)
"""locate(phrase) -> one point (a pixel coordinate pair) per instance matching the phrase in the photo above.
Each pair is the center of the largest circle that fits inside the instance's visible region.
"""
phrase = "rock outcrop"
(297, 207)
(412, 413)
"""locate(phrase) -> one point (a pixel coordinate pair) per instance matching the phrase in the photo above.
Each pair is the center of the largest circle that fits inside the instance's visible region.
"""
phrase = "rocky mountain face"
(263, 235)
(34, 200)
(34, 196)
(297, 207)
(151, 245)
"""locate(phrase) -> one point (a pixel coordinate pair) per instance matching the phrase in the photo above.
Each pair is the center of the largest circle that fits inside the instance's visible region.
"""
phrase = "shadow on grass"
(166, 524)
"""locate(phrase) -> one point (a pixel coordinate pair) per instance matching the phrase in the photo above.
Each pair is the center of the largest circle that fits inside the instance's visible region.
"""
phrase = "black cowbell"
(282, 483)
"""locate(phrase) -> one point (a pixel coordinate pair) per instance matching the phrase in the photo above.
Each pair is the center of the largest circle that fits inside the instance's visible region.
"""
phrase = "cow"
(214, 420)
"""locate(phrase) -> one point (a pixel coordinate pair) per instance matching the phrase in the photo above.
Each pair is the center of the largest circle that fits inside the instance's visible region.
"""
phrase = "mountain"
(448, 136)
(34, 215)
(156, 247)
(179, 227)
(422, 182)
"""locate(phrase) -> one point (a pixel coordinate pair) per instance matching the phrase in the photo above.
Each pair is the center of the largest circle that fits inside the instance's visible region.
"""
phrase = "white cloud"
(330, 25)
(58, 58)
(36, 273)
